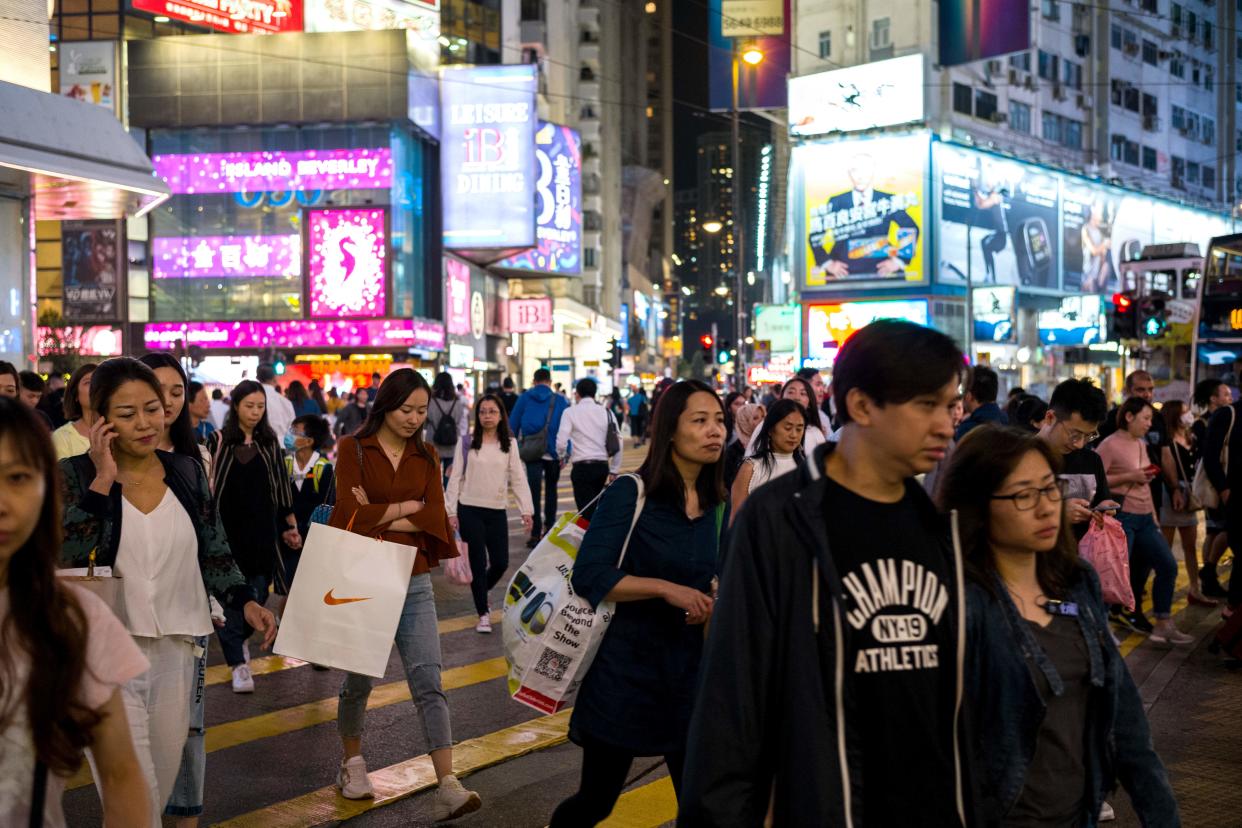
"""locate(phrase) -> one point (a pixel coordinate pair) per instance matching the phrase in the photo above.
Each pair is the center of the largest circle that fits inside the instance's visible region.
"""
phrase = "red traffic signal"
(706, 341)
(1123, 302)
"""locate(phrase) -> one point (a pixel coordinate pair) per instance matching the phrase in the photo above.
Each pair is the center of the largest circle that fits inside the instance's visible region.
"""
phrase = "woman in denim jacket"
(1057, 718)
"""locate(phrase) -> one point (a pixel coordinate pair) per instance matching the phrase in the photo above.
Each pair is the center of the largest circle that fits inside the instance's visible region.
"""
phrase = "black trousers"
(1233, 524)
(603, 777)
(486, 533)
(589, 478)
(543, 472)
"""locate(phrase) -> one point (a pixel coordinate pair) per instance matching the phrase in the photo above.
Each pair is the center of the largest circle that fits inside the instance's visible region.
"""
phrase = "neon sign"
(558, 188)
(531, 315)
(179, 257)
(457, 296)
(348, 262)
(242, 172)
(424, 334)
(232, 16)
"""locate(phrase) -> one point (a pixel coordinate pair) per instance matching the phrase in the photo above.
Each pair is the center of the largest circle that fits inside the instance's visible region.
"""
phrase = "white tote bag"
(551, 634)
(346, 601)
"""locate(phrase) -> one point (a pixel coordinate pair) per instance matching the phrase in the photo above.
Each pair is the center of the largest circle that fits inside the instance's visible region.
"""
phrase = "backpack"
(445, 433)
(316, 470)
(532, 447)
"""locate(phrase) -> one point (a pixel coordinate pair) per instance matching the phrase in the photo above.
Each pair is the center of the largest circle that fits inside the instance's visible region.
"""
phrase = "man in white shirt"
(219, 409)
(280, 414)
(586, 426)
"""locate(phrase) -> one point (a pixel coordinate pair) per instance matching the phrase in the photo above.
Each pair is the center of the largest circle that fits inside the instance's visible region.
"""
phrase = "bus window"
(1160, 281)
(1224, 266)
(1190, 283)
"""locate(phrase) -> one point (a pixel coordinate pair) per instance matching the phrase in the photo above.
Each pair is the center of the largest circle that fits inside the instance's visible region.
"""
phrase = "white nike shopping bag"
(346, 601)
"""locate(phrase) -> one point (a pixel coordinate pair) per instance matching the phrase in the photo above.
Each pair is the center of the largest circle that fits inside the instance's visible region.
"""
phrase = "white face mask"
(1188, 419)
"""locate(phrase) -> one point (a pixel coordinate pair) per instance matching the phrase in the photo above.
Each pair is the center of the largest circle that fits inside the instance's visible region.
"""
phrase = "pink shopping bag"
(1105, 548)
(457, 570)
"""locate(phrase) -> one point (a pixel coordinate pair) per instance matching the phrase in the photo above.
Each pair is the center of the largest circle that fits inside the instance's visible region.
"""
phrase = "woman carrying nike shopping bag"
(637, 696)
(388, 483)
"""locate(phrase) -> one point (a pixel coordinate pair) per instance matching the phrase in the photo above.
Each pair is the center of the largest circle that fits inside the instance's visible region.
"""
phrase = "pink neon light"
(531, 315)
(178, 257)
(348, 254)
(236, 172)
(425, 334)
(457, 296)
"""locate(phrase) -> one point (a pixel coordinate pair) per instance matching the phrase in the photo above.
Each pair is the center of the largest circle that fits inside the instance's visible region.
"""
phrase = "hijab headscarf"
(747, 419)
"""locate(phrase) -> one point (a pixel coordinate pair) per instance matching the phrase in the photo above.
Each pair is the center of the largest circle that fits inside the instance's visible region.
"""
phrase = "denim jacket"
(1008, 710)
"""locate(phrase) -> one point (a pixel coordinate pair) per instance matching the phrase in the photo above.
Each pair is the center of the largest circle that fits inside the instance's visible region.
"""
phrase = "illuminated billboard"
(973, 30)
(182, 257)
(531, 315)
(994, 314)
(241, 172)
(422, 334)
(348, 261)
(457, 297)
(232, 16)
(421, 17)
(1079, 320)
(558, 195)
(862, 210)
(487, 156)
(829, 325)
(881, 93)
(781, 326)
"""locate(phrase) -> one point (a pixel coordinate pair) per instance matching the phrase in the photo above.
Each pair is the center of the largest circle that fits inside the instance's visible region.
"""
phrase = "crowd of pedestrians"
(816, 589)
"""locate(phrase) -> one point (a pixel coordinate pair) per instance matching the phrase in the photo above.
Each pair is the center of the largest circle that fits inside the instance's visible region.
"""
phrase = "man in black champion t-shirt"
(1075, 412)
(830, 681)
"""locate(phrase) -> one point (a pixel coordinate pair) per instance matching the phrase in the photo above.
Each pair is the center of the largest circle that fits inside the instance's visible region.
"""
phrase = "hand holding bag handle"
(1183, 483)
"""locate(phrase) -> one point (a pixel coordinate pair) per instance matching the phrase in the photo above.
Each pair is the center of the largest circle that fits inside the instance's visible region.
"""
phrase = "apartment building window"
(1051, 9)
(1192, 25)
(1071, 133)
(1151, 106)
(1019, 117)
(1209, 177)
(963, 99)
(1209, 39)
(1178, 116)
(1176, 14)
(1178, 176)
(1051, 129)
(1071, 74)
(1151, 53)
(1209, 132)
(1115, 37)
(881, 33)
(1124, 150)
(1149, 158)
(1150, 6)
(825, 45)
(534, 10)
(1208, 79)
(1048, 65)
(1196, 74)
(1192, 172)
(985, 105)
(588, 258)
(1177, 68)
(1022, 62)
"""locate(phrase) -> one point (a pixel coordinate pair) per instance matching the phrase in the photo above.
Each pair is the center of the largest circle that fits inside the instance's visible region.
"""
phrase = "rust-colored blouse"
(417, 477)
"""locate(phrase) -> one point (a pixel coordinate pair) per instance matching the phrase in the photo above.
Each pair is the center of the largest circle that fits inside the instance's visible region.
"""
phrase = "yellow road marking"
(647, 807)
(299, 717)
(404, 779)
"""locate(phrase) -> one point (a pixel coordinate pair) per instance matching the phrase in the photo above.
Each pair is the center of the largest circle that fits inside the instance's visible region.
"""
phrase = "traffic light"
(707, 342)
(612, 357)
(725, 353)
(1125, 318)
(1153, 317)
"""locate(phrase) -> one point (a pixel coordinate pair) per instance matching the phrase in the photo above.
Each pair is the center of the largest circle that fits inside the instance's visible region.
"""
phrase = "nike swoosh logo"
(333, 601)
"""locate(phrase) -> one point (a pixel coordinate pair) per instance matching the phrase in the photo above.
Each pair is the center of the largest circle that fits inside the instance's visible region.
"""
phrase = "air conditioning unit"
(1058, 92)
(1000, 117)
(1029, 82)
(1131, 48)
(1014, 77)
(1164, 55)
(1176, 31)
(1085, 102)
(993, 68)
(1082, 45)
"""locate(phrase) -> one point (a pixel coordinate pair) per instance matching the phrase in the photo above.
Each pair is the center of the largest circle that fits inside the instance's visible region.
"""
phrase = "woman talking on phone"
(148, 514)
(388, 483)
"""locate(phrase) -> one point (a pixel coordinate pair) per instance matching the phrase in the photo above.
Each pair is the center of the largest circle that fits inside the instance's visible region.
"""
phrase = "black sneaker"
(1134, 621)
(532, 542)
(1210, 584)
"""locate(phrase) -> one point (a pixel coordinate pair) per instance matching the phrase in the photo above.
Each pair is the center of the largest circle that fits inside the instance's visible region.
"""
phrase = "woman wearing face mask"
(388, 482)
(1129, 471)
(778, 450)
(637, 696)
(255, 503)
(1180, 457)
(312, 479)
(486, 467)
(799, 390)
(748, 418)
(74, 437)
(148, 514)
(1062, 717)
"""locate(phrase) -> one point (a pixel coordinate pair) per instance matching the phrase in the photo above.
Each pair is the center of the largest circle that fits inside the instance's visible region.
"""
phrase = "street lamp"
(713, 227)
(752, 56)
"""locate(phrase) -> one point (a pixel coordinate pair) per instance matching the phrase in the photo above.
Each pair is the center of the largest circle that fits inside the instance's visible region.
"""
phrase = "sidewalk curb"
(1164, 671)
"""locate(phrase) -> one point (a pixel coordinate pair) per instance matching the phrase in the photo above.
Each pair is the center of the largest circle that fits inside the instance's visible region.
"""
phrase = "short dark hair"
(1205, 390)
(1017, 391)
(217, 394)
(586, 388)
(1133, 407)
(877, 360)
(112, 374)
(191, 390)
(11, 369)
(508, 383)
(73, 406)
(31, 381)
(1081, 397)
(316, 428)
(543, 375)
(1029, 409)
(984, 384)
(266, 373)
(1134, 375)
(807, 373)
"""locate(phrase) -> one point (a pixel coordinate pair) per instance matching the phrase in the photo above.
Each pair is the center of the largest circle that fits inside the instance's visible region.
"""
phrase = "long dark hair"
(73, 406)
(296, 393)
(812, 402)
(316, 393)
(659, 473)
(181, 431)
(728, 407)
(980, 464)
(392, 394)
(763, 443)
(232, 432)
(1172, 412)
(502, 428)
(44, 619)
(1133, 407)
(112, 374)
(443, 388)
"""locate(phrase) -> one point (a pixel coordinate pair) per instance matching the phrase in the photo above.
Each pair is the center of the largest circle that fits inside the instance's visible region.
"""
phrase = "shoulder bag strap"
(1224, 451)
(38, 796)
(638, 510)
(547, 422)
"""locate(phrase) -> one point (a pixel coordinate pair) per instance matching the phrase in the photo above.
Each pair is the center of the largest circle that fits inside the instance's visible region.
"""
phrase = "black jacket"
(772, 719)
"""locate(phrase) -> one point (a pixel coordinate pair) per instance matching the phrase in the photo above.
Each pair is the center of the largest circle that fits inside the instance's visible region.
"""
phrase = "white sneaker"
(246, 651)
(453, 801)
(1167, 633)
(484, 625)
(1106, 813)
(243, 682)
(353, 781)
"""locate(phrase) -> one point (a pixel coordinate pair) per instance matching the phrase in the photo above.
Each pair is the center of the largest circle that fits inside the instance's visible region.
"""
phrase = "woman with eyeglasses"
(1044, 681)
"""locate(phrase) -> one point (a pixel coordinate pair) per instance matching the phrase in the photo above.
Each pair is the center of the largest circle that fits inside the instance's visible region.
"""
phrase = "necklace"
(391, 453)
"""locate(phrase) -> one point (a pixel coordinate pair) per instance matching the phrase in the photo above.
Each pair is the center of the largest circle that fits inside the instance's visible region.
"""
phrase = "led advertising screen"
(994, 314)
(90, 270)
(182, 257)
(882, 93)
(457, 297)
(828, 325)
(531, 315)
(1079, 320)
(623, 341)
(95, 340)
(423, 334)
(240, 172)
(347, 262)
(864, 210)
(558, 204)
(487, 156)
(978, 29)
(232, 16)
(1002, 214)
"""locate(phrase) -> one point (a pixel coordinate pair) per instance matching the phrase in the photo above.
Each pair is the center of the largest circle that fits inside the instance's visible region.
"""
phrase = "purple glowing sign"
(348, 258)
(558, 194)
(457, 296)
(180, 257)
(240, 172)
(424, 334)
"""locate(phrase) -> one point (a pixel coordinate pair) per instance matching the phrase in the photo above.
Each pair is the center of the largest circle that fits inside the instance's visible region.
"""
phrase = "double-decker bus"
(1217, 345)
(1169, 274)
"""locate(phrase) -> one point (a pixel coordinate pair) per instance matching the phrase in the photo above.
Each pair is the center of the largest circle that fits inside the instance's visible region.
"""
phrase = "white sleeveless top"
(158, 563)
(782, 464)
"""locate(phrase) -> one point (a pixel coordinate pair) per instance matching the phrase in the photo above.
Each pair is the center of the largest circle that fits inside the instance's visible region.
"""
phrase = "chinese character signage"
(180, 257)
(531, 315)
(423, 334)
(90, 269)
(457, 297)
(240, 172)
(231, 16)
(558, 203)
(347, 263)
(487, 156)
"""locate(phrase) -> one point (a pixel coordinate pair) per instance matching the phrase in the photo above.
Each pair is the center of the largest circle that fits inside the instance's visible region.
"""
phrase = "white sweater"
(489, 475)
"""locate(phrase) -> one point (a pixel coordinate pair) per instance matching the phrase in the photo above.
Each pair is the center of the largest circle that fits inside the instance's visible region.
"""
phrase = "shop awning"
(75, 158)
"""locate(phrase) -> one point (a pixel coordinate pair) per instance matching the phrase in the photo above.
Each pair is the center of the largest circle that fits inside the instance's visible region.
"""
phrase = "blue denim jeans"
(1148, 551)
(418, 643)
(187, 794)
(236, 631)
